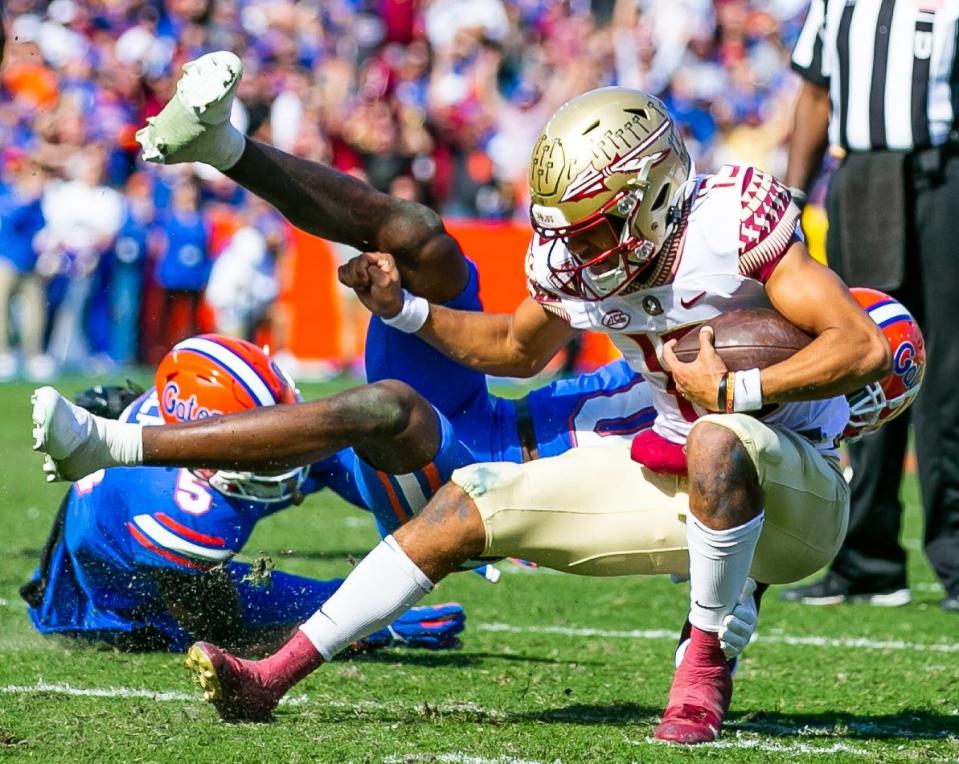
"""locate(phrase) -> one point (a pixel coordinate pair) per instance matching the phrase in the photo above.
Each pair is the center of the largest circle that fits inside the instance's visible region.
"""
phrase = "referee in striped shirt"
(881, 84)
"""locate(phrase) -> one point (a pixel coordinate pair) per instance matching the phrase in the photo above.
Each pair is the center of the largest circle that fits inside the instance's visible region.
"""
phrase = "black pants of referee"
(872, 558)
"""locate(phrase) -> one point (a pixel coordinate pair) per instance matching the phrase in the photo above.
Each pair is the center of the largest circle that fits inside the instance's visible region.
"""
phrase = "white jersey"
(739, 224)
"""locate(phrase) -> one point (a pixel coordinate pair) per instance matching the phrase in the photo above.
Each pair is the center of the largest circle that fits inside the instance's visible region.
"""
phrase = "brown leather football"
(747, 339)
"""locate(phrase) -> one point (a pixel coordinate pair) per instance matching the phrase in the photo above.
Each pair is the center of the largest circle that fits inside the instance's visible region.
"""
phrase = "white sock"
(382, 587)
(719, 563)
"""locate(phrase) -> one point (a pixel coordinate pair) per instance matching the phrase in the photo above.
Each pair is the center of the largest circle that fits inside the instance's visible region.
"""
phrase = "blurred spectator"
(243, 282)
(183, 266)
(82, 219)
(126, 272)
(446, 20)
(21, 219)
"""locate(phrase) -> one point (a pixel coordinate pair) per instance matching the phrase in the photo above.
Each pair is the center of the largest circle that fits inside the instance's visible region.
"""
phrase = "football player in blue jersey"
(141, 558)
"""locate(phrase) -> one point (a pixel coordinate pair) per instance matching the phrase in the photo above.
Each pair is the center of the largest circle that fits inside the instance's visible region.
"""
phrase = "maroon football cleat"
(700, 695)
(230, 684)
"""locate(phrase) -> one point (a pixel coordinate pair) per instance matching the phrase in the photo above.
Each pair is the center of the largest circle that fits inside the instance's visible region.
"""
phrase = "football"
(747, 339)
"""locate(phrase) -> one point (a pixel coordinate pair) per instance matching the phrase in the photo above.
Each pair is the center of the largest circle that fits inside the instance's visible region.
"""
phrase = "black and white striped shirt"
(890, 66)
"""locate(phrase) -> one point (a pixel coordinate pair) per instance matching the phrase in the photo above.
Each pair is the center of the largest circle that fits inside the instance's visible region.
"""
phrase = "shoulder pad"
(768, 220)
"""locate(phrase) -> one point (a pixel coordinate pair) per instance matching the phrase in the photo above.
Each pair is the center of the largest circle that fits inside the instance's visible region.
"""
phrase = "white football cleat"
(195, 125)
(68, 435)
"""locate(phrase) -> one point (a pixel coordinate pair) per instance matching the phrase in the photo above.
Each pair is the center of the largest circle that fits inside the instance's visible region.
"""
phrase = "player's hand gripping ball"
(746, 339)
(734, 341)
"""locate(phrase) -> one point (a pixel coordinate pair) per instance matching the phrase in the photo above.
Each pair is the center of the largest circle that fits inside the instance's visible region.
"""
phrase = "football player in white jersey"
(628, 241)
(739, 468)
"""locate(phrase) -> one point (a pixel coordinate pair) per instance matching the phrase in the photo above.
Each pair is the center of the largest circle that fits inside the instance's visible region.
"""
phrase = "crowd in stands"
(104, 260)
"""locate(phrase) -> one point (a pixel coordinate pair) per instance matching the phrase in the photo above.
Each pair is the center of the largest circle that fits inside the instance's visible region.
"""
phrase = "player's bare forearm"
(848, 352)
(808, 141)
(335, 206)
(518, 344)
(332, 204)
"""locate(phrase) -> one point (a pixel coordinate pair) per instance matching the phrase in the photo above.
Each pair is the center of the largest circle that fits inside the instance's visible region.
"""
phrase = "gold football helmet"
(605, 178)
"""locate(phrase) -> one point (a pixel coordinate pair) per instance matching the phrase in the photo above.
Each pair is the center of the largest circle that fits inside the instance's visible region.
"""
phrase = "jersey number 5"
(191, 494)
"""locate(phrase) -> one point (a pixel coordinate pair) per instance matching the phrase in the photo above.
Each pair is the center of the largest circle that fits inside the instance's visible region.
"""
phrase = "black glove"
(108, 401)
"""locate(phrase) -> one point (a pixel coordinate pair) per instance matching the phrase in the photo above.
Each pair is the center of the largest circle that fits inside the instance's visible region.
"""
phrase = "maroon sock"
(704, 648)
(288, 665)
(703, 678)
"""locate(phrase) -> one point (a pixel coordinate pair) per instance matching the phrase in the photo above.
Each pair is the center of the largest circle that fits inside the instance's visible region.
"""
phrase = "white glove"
(738, 627)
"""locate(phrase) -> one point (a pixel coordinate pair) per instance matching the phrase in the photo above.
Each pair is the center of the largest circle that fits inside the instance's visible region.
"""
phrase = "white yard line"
(458, 758)
(59, 688)
(787, 748)
(860, 643)
(118, 693)
(805, 748)
(735, 736)
(734, 743)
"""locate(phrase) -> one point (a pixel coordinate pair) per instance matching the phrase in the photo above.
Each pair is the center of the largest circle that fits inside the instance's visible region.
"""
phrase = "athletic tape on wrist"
(748, 392)
(412, 315)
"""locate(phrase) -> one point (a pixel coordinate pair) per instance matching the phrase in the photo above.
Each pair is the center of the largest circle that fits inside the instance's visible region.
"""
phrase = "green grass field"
(552, 667)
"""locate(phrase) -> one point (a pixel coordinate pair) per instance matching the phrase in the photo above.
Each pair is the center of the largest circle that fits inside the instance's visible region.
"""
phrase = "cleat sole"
(204, 674)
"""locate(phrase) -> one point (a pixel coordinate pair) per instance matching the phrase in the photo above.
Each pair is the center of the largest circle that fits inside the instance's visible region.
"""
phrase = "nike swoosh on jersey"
(692, 300)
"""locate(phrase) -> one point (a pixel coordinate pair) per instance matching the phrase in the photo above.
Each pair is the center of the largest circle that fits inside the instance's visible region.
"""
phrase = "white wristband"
(412, 315)
(748, 392)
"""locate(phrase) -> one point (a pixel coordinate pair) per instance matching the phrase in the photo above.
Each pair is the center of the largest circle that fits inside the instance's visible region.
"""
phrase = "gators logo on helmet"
(211, 375)
(882, 401)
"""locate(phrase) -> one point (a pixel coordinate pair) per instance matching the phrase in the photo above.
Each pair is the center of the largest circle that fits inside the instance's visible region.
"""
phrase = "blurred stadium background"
(106, 262)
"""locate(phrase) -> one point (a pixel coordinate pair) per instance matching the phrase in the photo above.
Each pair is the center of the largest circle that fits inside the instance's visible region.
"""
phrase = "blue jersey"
(20, 220)
(185, 262)
(120, 525)
(132, 239)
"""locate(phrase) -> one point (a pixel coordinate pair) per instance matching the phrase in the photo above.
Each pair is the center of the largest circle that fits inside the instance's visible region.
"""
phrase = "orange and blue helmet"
(210, 375)
(882, 401)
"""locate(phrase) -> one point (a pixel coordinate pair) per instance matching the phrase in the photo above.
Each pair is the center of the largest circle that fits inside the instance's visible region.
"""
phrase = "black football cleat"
(832, 590)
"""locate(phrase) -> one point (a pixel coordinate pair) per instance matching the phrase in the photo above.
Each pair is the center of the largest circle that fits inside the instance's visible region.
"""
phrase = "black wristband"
(721, 397)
